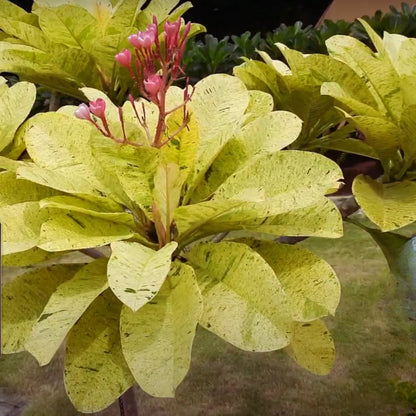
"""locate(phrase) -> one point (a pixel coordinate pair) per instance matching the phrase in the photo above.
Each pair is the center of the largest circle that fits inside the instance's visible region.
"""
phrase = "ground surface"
(374, 337)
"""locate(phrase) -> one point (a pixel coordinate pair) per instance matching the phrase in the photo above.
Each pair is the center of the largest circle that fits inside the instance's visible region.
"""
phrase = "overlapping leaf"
(244, 302)
(312, 347)
(309, 282)
(136, 273)
(96, 373)
(157, 339)
(64, 308)
(390, 206)
(23, 300)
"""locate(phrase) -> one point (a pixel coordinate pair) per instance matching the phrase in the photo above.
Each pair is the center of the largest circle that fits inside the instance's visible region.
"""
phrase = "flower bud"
(144, 39)
(153, 84)
(124, 58)
(83, 112)
(98, 108)
(134, 41)
(172, 33)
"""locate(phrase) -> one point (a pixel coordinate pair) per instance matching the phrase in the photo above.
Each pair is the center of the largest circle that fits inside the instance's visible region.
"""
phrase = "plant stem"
(54, 101)
(127, 403)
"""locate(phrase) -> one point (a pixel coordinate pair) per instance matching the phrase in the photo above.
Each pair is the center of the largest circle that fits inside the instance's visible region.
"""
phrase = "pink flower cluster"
(154, 68)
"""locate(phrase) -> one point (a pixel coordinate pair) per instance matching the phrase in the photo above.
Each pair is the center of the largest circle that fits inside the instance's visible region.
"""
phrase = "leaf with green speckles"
(136, 273)
(260, 103)
(23, 300)
(257, 75)
(21, 225)
(15, 105)
(14, 190)
(57, 142)
(244, 302)
(66, 305)
(312, 347)
(273, 184)
(157, 339)
(390, 206)
(309, 281)
(70, 230)
(218, 104)
(322, 219)
(95, 372)
(132, 168)
(266, 134)
(376, 69)
(182, 149)
(28, 257)
(74, 204)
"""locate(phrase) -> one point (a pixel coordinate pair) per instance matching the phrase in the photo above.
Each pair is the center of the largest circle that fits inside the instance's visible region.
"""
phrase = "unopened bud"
(172, 33)
(153, 84)
(98, 108)
(83, 112)
(124, 58)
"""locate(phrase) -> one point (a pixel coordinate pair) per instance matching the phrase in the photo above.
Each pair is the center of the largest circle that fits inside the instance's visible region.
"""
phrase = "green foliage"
(67, 45)
(131, 317)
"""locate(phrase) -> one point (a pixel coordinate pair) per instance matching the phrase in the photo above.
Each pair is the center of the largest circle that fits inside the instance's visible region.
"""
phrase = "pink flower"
(83, 112)
(172, 33)
(144, 39)
(153, 84)
(98, 108)
(124, 58)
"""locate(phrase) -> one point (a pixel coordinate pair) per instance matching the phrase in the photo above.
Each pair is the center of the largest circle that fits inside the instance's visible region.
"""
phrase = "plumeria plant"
(176, 198)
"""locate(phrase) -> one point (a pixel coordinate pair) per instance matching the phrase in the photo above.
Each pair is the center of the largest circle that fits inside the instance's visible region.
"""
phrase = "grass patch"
(375, 343)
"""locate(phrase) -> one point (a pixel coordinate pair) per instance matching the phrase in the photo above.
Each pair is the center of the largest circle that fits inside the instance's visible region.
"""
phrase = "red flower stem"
(99, 128)
(120, 116)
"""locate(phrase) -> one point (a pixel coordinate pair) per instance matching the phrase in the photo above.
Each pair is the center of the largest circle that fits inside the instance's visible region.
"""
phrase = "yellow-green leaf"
(96, 373)
(266, 134)
(27, 258)
(157, 339)
(183, 147)
(69, 25)
(260, 103)
(244, 302)
(74, 230)
(64, 308)
(72, 203)
(167, 191)
(23, 300)
(309, 281)
(376, 69)
(15, 105)
(312, 347)
(390, 206)
(218, 103)
(21, 224)
(136, 273)
(273, 184)
(322, 219)
(15, 190)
